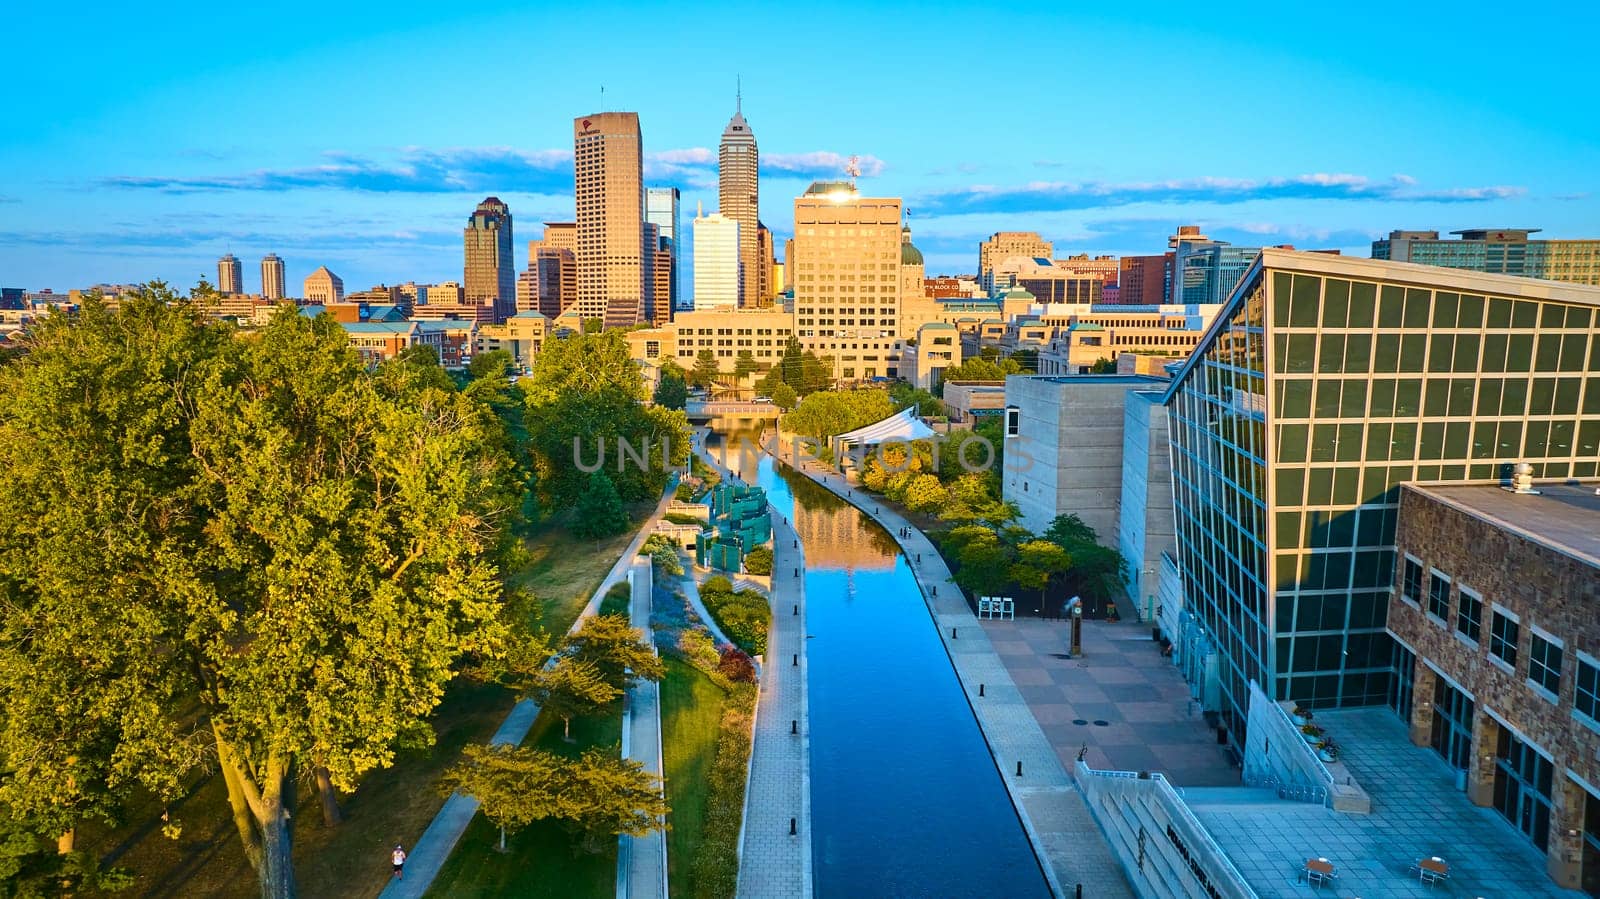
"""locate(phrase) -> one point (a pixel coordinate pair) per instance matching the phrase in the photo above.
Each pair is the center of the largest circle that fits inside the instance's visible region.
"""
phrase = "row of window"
(1545, 653)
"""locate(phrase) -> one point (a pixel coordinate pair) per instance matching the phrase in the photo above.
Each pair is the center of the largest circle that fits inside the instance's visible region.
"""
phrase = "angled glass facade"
(1325, 384)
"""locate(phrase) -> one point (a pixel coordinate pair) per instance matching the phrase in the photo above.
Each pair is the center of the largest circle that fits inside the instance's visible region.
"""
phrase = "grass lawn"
(542, 860)
(391, 806)
(691, 711)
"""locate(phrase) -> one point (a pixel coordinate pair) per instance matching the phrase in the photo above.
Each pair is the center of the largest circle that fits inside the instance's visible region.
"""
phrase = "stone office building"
(1499, 671)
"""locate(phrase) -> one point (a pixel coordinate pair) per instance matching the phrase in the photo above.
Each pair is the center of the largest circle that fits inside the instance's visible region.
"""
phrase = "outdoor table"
(1319, 871)
(1432, 870)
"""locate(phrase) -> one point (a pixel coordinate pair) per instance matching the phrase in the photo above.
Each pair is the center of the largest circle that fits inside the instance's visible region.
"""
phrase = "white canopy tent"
(904, 426)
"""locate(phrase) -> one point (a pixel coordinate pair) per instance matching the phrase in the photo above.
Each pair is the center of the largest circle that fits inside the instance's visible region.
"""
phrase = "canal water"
(905, 798)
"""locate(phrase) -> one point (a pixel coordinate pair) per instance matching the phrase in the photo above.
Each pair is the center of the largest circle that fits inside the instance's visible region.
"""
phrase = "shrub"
(698, 649)
(743, 616)
(736, 666)
(683, 518)
(684, 493)
(717, 584)
(617, 599)
(758, 561)
(716, 862)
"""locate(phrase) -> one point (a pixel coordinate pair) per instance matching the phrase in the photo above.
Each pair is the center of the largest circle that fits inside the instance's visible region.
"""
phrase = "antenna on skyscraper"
(738, 95)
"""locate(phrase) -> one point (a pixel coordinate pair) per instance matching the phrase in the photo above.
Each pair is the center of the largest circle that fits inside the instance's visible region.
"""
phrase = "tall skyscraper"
(845, 265)
(661, 208)
(556, 257)
(272, 277)
(1504, 251)
(230, 275)
(608, 173)
(490, 271)
(717, 283)
(739, 194)
(323, 287)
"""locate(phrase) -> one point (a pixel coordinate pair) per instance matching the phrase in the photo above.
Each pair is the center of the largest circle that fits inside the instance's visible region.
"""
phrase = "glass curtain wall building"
(1324, 383)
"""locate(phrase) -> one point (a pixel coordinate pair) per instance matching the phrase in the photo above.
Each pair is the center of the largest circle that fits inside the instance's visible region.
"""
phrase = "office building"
(661, 208)
(1324, 384)
(490, 272)
(765, 260)
(845, 265)
(230, 275)
(717, 281)
(739, 195)
(556, 257)
(1493, 614)
(272, 283)
(1002, 245)
(663, 268)
(1144, 280)
(323, 288)
(1504, 251)
(608, 158)
(528, 286)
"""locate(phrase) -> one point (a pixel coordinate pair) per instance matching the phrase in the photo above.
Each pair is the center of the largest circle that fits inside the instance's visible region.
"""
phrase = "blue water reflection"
(905, 798)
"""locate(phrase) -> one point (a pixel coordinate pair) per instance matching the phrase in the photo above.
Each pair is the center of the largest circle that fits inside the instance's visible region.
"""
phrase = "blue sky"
(144, 141)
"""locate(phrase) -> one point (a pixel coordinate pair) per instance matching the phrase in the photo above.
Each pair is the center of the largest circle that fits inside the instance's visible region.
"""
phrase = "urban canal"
(905, 797)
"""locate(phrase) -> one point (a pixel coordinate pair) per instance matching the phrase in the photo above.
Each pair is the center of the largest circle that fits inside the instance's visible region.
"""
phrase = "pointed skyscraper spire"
(738, 95)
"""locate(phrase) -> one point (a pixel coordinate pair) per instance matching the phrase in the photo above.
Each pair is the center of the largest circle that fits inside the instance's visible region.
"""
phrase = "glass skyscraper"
(1507, 251)
(661, 210)
(1207, 272)
(1324, 383)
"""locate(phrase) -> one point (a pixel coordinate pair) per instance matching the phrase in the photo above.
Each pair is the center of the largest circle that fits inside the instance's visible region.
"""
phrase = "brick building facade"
(1498, 661)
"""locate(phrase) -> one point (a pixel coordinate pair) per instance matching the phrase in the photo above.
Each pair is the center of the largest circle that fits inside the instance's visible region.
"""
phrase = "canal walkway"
(424, 859)
(1052, 810)
(642, 861)
(775, 840)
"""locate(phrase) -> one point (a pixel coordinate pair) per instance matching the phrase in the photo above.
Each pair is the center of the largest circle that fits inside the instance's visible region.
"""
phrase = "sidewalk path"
(772, 863)
(424, 860)
(642, 861)
(1052, 810)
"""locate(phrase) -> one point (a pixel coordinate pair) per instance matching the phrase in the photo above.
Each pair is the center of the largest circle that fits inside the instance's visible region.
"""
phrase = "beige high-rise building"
(556, 257)
(490, 271)
(608, 171)
(1004, 244)
(739, 196)
(230, 275)
(323, 287)
(272, 277)
(717, 281)
(764, 256)
(845, 266)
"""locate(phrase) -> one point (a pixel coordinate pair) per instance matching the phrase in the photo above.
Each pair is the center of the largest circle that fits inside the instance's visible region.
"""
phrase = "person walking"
(399, 858)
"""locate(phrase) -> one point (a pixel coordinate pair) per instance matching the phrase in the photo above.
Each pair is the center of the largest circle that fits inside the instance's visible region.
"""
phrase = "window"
(1503, 638)
(1438, 595)
(1411, 583)
(1544, 663)
(1469, 615)
(1586, 692)
(1013, 421)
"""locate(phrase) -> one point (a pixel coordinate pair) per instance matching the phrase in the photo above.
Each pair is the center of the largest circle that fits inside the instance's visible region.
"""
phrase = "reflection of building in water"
(834, 537)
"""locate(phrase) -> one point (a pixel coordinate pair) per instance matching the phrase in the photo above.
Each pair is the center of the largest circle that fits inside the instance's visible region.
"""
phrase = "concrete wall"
(1177, 858)
(1067, 456)
(1145, 526)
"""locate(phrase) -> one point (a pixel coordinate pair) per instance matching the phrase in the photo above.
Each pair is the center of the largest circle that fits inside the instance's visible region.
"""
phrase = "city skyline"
(367, 174)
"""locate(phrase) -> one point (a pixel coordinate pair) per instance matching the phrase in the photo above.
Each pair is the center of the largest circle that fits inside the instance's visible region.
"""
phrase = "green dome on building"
(909, 254)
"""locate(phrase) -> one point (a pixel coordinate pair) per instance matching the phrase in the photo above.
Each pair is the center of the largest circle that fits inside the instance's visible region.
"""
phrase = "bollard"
(980, 689)
(796, 610)
(794, 725)
(1019, 767)
(792, 831)
(1077, 892)
(796, 662)
(797, 572)
(952, 633)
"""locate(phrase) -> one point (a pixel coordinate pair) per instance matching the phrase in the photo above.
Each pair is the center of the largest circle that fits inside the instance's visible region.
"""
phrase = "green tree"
(672, 390)
(784, 397)
(493, 364)
(706, 370)
(599, 512)
(982, 368)
(758, 561)
(801, 369)
(1037, 562)
(597, 794)
(570, 688)
(745, 365)
(1098, 572)
(830, 412)
(925, 494)
(983, 566)
(302, 556)
(927, 404)
(587, 363)
(617, 651)
(1104, 367)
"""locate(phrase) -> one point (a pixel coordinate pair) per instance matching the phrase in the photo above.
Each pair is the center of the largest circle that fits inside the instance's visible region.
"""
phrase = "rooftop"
(1564, 517)
(1152, 380)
